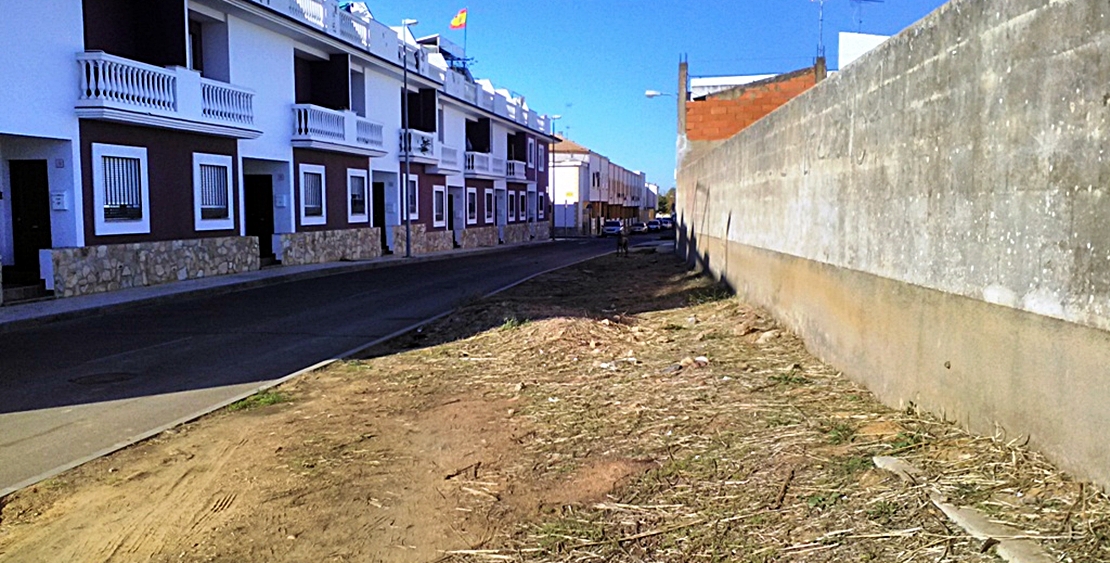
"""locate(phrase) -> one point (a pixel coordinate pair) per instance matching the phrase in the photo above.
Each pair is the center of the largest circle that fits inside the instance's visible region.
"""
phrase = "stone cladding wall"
(94, 269)
(316, 247)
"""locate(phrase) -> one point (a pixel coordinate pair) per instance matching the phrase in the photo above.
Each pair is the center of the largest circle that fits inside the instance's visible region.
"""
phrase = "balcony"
(450, 161)
(420, 146)
(369, 35)
(515, 170)
(484, 165)
(121, 90)
(315, 127)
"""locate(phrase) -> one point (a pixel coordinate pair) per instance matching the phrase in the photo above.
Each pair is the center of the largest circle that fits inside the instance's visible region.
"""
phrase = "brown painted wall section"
(335, 186)
(170, 169)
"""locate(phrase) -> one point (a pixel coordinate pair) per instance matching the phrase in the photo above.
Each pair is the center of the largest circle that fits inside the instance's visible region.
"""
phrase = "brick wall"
(725, 114)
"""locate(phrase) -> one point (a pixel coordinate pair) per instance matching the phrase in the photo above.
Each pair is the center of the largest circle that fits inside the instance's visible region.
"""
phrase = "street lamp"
(551, 119)
(406, 135)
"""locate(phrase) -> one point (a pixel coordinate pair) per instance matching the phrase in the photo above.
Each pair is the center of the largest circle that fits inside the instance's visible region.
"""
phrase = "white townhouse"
(588, 188)
(146, 142)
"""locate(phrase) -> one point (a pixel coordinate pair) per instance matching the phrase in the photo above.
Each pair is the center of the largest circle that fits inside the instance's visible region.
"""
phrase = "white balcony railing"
(174, 97)
(515, 170)
(225, 102)
(478, 163)
(418, 143)
(315, 126)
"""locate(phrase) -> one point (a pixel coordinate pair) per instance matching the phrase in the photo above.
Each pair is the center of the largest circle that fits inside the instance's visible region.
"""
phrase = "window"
(471, 206)
(541, 204)
(541, 161)
(358, 207)
(413, 198)
(213, 202)
(121, 190)
(489, 206)
(440, 124)
(531, 152)
(439, 206)
(512, 206)
(314, 206)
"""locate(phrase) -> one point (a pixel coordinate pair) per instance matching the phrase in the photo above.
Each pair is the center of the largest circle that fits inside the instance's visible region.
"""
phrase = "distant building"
(588, 188)
(854, 45)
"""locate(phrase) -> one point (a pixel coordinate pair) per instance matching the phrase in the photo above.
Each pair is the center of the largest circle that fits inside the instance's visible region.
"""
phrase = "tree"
(665, 205)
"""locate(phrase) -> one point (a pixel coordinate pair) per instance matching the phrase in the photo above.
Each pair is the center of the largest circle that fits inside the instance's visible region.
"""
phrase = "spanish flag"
(459, 21)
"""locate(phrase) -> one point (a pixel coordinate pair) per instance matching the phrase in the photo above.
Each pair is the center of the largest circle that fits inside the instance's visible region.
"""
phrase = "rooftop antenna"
(858, 9)
(820, 27)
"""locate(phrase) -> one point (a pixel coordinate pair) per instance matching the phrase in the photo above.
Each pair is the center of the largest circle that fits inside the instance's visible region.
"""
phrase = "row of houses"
(147, 142)
(588, 188)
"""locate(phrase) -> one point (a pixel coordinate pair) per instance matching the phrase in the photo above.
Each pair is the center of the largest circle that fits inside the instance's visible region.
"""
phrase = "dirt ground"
(620, 410)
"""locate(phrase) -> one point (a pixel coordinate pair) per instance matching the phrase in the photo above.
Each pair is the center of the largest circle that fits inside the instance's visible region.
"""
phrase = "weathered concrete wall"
(315, 247)
(922, 217)
(517, 233)
(94, 269)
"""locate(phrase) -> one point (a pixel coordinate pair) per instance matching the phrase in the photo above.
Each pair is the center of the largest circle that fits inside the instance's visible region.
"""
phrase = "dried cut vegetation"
(620, 410)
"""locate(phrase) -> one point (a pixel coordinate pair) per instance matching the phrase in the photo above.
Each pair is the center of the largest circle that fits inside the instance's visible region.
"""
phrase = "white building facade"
(156, 142)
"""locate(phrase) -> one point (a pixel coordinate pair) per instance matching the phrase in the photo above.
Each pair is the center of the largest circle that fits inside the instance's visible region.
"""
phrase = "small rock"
(702, 361)
(767, 337)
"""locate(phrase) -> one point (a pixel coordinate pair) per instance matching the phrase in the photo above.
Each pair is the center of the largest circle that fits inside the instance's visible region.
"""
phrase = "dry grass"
(764, 454)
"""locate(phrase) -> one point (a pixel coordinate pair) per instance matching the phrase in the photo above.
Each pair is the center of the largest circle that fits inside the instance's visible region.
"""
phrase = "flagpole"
(466, 33)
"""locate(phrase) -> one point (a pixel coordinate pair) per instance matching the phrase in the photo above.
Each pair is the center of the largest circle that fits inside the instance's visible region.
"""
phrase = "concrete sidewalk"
(23, 315)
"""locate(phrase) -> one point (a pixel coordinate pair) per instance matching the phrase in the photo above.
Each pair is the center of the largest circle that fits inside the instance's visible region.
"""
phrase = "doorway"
(30, 201)
(378, 219)
(258, 206)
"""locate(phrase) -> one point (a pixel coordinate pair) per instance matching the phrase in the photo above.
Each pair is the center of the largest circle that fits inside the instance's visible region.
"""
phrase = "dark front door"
(30, 193)
(378, 189)
(258, 193)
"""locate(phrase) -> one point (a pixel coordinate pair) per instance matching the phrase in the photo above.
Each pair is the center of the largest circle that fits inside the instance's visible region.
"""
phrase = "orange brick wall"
(715, 119)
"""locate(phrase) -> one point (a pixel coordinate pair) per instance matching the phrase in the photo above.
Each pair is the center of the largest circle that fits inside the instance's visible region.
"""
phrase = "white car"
(611, 228)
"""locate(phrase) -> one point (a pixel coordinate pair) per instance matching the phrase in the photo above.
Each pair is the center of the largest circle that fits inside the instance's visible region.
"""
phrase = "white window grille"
(121, 190)
(489, 206)
(471, 206)
(541, 161)
(414, 198)
(531, 152)
(358, 205)
(314, 204)
(213, 200)
(439, 206)
(512, 206)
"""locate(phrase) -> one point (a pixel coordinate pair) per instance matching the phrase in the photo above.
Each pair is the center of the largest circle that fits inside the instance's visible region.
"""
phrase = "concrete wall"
(932, 220)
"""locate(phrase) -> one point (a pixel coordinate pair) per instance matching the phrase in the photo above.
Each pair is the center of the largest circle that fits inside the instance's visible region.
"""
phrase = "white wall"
(383, 104)
(454, 133)
(500, 142)
(855, 45)
(39, 42)
(263, 61)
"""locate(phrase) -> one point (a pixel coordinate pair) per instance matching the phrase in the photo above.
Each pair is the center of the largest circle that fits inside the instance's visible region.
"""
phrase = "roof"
(568, 146)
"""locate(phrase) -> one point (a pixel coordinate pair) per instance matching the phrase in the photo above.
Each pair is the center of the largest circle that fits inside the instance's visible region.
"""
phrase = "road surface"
(76, 389)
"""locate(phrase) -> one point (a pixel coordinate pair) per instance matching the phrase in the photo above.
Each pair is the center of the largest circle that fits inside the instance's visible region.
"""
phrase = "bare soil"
(623, 410)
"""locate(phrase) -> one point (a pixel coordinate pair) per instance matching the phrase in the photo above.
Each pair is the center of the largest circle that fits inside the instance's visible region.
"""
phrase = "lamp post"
(406, 136)
(551, 119)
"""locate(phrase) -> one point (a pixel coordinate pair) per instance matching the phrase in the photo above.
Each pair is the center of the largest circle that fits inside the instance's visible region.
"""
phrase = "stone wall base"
(423, 241)
(94, 269)
(477, 237)
(316, 247)
(517, 233)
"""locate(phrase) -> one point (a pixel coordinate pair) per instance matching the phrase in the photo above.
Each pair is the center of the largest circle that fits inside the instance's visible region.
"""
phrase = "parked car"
(666, 223)
(611, 227)
(640, 227)
(654, 226)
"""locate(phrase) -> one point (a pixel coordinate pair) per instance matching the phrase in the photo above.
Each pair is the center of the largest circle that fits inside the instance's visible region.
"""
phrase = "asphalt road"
(76, 389)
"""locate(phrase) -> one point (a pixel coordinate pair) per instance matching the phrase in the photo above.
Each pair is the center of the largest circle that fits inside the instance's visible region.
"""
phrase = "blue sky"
(591, 61)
